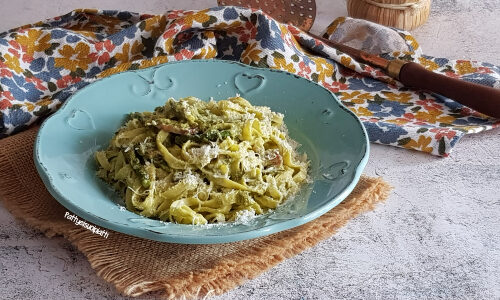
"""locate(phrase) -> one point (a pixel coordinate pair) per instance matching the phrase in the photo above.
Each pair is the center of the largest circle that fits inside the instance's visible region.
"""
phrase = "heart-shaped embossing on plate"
(162, 79)
(158, 79)
(81, 120)
(335, 170)
(247, 82)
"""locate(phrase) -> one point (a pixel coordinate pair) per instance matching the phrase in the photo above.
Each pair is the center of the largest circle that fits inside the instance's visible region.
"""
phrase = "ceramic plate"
(332, 136)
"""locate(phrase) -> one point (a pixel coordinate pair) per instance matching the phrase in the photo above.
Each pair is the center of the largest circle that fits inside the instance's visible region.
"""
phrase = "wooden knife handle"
(481, 98)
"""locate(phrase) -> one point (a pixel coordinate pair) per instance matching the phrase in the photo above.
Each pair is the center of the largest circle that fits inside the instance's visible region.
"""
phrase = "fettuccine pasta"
(196, 162)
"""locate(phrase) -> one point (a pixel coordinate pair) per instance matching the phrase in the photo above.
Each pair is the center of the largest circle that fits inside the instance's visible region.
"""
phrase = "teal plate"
(334, 139)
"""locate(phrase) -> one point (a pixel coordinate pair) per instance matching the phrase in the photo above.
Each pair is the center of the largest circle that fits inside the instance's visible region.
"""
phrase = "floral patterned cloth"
(42, 64)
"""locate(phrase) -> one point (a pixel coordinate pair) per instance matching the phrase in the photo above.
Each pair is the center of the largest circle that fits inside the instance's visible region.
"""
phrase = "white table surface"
(437, 236)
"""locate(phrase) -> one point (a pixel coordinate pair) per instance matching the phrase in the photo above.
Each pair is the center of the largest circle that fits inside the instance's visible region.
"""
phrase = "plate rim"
(196, 239)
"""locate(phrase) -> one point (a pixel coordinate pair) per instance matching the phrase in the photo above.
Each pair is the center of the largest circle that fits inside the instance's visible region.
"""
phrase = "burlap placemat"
(137, 266)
